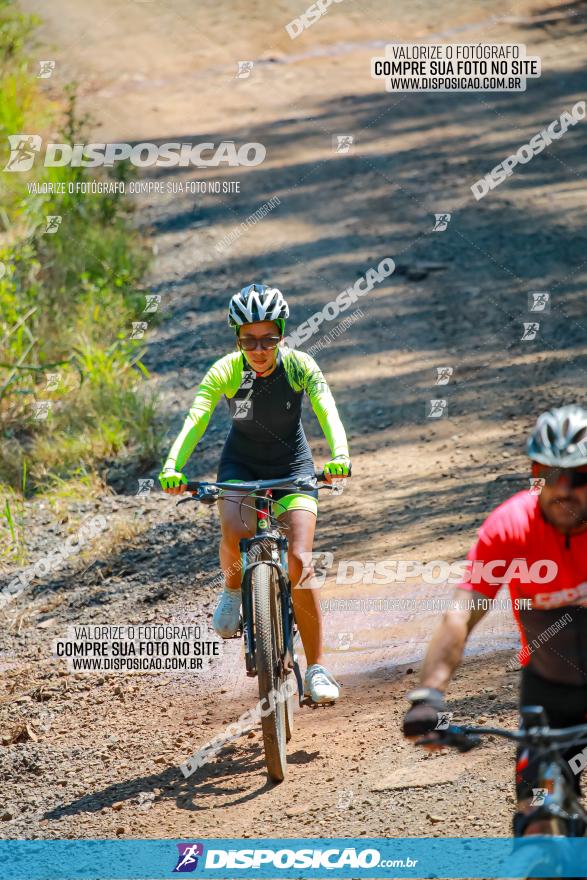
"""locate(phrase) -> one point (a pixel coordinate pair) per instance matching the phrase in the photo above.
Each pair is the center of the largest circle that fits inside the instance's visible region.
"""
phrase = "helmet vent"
(559, 438)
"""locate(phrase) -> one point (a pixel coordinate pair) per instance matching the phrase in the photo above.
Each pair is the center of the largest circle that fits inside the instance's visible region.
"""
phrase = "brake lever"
(189, 497)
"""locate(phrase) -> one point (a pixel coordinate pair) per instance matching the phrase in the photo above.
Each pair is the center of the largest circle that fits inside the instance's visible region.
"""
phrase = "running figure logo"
(188, 857)
(438, 408)
(244, 69)
(539, 302)
(23, 148)
(153, 301)
(53, 222)
(342, 142)
(443, 375)
(247, 379)
(46, 69)
(441, 222)
(444, 719)
(242, 408)
(531, 329)
(53, 381)
(41, 409)
(138, 329)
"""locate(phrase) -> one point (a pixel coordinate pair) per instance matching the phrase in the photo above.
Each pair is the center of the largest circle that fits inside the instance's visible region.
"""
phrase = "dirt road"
(104, 754)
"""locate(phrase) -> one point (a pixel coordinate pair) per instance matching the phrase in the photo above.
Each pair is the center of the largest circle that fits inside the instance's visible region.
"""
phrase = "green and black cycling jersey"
(266, 439)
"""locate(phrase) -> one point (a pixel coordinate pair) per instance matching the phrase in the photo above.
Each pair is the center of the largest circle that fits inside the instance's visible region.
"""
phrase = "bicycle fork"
(247, 606)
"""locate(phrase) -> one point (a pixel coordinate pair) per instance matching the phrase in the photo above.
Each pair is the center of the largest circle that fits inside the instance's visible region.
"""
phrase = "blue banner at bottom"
(302, 858)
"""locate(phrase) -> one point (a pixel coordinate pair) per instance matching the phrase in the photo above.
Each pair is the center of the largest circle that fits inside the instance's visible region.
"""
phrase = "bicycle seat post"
(262, 508)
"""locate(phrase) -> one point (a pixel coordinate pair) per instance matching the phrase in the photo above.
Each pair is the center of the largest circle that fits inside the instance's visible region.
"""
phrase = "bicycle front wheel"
(289, 714)
(267, 653)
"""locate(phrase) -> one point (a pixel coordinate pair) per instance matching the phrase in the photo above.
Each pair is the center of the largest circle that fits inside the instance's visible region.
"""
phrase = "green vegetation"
(67, 304)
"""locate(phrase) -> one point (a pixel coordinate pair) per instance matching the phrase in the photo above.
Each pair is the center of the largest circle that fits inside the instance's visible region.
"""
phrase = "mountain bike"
(267, 619)
(558, 804)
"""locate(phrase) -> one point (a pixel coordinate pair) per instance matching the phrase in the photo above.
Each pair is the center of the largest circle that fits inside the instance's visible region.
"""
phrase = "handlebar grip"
(454, 737)
(462, 741)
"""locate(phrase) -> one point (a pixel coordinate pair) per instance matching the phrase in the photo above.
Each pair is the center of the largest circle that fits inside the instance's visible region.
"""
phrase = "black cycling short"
(565, 705)
(229, 469)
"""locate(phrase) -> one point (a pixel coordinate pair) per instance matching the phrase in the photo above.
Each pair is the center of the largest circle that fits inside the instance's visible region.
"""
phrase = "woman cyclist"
(264, 383)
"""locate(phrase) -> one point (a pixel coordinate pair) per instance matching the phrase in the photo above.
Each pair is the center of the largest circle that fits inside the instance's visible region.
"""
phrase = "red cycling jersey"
(546, 573)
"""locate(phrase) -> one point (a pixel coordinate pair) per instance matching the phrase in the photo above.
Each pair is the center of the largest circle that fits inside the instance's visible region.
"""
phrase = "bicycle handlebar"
(465, 737)
(257, 485)
(209, 492)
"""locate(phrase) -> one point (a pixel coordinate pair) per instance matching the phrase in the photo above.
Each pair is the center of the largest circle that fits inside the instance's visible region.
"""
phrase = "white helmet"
(256, 302)
(559, 437)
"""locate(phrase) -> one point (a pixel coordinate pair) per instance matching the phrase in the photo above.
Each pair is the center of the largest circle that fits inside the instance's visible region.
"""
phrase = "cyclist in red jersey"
(536, 542)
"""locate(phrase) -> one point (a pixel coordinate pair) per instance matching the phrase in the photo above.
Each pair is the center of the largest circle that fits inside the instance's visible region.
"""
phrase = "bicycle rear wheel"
(267, 654)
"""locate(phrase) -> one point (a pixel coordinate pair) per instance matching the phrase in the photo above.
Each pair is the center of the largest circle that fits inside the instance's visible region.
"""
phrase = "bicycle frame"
(273, 552)
(269, 540)
(561, 803)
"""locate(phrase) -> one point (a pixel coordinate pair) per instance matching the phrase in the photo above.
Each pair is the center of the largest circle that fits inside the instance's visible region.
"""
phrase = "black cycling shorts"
(230, 469)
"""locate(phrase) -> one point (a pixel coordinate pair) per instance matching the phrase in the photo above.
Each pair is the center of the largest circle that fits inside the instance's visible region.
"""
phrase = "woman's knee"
(233, 526)
(232, 533)
(301, 564)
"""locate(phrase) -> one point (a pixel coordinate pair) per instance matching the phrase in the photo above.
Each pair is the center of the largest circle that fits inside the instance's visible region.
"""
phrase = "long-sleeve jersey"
(265, 411)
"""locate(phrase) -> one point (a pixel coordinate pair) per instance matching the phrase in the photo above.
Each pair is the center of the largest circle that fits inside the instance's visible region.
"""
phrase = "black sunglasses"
(250, 343)
(577, 477)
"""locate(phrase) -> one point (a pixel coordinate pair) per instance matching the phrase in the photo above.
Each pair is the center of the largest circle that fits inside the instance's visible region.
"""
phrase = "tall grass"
(67, 303)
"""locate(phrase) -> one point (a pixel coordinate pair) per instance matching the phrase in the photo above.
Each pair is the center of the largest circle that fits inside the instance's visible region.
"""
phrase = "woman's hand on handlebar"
(337, 468)
(172, 482)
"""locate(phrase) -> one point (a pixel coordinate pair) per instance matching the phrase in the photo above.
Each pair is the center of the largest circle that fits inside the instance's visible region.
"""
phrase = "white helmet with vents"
(559, 437)
(257, 302)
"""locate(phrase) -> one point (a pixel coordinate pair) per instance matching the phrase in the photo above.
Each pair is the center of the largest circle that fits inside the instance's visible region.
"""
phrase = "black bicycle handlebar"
(258, 485)
(465, 737)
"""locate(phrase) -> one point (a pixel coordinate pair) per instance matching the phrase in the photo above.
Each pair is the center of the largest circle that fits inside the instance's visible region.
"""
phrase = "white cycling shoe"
(320, 685)
(227, 614)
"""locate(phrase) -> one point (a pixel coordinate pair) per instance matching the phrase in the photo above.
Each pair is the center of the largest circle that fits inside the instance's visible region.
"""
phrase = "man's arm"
(447, 644)
(469, 606)
(443, 656)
